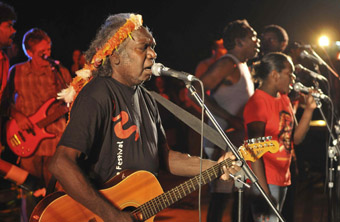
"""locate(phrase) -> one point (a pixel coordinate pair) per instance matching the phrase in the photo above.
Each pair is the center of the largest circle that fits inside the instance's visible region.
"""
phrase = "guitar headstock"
(253, 149)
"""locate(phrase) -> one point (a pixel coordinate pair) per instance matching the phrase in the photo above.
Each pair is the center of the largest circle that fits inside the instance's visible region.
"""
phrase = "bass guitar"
(24, 143)
(139, 192)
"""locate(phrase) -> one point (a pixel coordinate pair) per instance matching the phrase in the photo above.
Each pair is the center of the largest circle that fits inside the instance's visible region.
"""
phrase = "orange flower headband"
(84, 75)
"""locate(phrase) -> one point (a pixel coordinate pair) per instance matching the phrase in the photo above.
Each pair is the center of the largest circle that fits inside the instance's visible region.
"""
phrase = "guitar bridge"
(15, 140)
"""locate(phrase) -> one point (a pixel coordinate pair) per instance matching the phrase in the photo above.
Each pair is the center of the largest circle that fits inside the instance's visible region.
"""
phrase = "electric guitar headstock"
(253, 149)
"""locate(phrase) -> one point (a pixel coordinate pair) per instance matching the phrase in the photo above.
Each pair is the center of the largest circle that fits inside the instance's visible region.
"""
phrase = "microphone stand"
(59, 76)
(322, 62)
(332, 153)
(240, 185)
(244, 166)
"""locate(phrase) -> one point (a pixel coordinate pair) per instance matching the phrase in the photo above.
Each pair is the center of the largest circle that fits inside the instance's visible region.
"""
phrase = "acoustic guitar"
(24, 143)
(139, 192)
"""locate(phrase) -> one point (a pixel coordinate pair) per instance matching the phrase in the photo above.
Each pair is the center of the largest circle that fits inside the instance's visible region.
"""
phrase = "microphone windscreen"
(156, 69)
(298, 87)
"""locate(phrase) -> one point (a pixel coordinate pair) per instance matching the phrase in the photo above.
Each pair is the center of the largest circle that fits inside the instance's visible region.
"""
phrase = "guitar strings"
(155, 205)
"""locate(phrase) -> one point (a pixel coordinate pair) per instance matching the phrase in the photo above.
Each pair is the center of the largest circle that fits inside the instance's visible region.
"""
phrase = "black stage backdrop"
(183, 29)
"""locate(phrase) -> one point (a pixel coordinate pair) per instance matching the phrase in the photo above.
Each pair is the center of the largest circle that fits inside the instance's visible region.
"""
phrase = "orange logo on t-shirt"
(118, 128)
(285, 131)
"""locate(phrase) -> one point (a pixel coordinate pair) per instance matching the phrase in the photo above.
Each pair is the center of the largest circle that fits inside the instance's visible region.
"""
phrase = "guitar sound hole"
(129, 209)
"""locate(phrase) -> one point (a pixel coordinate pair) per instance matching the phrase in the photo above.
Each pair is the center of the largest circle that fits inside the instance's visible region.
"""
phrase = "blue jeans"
(261, 209)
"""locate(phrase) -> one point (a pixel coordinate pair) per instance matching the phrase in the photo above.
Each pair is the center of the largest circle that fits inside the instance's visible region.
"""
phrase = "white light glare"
(324, 41)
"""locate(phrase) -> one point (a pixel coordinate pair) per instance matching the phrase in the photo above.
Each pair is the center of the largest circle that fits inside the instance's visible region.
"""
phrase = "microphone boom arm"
(325, 64)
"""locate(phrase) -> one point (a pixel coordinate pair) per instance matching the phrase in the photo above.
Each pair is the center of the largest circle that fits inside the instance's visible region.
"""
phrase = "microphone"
(305, 54)
(299, 87)
(158, 69)
(315, 75)
(52, 61)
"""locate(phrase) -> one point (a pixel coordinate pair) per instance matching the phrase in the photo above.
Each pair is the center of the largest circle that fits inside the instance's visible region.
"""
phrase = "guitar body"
(139, 192)
(131, 189)
(24, 143)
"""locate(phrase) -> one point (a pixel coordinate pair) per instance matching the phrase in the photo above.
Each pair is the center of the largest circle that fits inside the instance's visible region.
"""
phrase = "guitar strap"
(51, 185)
(190, 120)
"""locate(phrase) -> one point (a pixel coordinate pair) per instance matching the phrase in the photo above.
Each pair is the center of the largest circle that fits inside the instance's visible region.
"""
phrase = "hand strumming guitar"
(23, 122)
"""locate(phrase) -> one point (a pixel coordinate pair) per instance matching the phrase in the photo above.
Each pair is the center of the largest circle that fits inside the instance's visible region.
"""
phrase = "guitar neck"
(60, 110)
(163, 201)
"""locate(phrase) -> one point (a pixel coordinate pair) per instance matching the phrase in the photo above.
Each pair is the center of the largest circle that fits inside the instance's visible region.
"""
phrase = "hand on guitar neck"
(233, 169)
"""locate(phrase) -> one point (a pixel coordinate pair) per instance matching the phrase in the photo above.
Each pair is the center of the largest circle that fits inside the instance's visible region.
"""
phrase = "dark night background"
(183, 30)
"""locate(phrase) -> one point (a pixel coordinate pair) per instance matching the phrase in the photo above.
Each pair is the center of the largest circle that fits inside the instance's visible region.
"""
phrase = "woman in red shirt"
(269, 113)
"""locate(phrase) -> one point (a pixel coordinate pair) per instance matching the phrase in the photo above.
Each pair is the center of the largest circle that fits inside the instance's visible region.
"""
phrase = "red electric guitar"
(24, 143)
(138, 192)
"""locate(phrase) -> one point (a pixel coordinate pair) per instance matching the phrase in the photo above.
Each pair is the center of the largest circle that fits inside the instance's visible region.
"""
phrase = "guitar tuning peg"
(264, 139)
(261, 139)
(253, 140)
(269, 137)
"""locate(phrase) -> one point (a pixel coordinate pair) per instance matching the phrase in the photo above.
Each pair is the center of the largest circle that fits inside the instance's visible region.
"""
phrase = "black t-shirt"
(116, 127)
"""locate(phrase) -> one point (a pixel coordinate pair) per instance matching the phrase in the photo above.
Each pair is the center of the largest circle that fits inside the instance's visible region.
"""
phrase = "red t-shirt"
(278, 116)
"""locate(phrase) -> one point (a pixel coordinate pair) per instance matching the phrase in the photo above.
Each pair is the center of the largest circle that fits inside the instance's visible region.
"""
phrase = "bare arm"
(223, 69)
(255, 130)
(182, 164)
(66, 170)
(303, 126)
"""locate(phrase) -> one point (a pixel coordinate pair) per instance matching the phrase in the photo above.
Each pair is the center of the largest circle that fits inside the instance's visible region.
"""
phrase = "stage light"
(323, 41)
